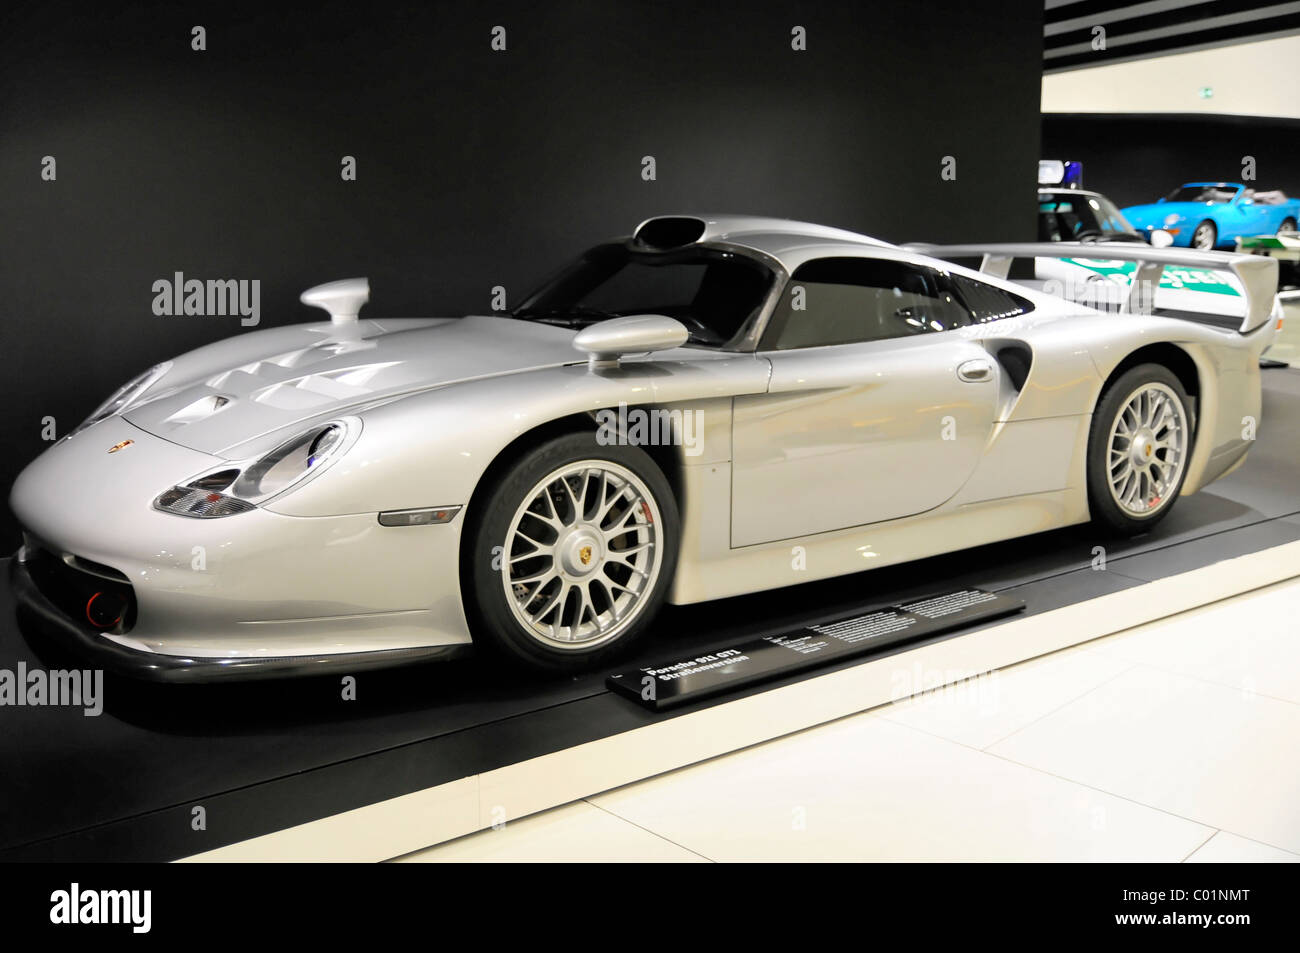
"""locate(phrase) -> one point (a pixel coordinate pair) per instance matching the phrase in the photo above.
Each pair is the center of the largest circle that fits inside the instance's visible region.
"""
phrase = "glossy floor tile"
(983, 710)
(1220, 756)
(868, 789)
(1250, 643)
(574, 832)
(1225, 848)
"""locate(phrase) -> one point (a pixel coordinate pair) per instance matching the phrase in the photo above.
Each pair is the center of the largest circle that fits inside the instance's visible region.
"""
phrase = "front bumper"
(100, 649)
(257, 590)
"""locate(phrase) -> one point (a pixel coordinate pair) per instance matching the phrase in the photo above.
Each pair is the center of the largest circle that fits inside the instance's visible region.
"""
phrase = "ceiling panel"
(1154, 28)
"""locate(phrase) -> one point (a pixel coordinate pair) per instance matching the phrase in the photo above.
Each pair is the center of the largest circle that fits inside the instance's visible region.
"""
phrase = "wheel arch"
(477, 507)
(512, 451)
(1184, 368)
(667, 458)
(1213, 223)
(1178, 361)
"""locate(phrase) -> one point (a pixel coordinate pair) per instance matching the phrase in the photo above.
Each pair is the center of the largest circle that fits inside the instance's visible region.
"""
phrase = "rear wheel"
(571, 555)
(1206, 236)
(1138, 449)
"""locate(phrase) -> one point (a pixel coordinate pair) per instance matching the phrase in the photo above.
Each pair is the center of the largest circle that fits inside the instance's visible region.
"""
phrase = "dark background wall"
(475, 168)
(1135, 159)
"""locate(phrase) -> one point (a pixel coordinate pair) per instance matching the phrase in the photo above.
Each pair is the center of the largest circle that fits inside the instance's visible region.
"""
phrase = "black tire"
(1211, 236)
(1288, 227)
(1105, 509)
(493, 621)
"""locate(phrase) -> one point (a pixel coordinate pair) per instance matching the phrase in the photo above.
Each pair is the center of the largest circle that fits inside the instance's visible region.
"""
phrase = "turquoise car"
(1208, 215)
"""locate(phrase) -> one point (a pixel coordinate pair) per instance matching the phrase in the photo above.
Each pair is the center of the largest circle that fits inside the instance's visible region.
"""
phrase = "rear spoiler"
(1257, 274)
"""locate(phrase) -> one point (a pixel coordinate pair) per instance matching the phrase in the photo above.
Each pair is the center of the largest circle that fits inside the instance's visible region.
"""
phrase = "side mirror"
(610, 340)
(1161, 238)
(342, 299)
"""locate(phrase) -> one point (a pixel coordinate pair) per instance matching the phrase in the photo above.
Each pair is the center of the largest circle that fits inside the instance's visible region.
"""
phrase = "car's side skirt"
(706, 570)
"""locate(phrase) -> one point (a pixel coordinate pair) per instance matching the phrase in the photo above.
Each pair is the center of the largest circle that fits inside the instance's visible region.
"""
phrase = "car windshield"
(713, 293)
(1211, 194)
(1065, 217)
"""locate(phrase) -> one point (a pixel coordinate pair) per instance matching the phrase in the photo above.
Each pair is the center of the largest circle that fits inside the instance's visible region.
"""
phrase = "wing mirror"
(605, 343)
(342, 299)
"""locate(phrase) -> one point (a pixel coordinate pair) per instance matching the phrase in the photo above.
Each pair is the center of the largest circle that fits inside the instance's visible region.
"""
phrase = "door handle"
(973, 372)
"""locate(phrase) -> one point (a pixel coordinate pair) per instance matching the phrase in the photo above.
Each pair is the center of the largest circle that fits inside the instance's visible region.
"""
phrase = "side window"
(1056, 221)
(852, 300)
(987, 303)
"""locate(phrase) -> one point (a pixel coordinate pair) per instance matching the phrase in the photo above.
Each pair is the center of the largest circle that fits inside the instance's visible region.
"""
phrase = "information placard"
(683, 680)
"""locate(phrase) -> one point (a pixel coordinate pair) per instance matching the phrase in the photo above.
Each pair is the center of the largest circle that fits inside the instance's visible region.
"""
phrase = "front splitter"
(157, 667)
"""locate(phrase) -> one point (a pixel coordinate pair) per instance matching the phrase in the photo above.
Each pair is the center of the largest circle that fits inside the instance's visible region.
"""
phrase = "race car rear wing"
(1258, 275)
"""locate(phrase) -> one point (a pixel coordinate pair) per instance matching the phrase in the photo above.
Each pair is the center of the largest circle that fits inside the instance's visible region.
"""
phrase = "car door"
(1245, 216)
(878, 406)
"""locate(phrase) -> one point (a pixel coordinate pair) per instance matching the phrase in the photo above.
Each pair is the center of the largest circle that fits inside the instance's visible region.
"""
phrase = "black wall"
(475, 168)
(1135, 159)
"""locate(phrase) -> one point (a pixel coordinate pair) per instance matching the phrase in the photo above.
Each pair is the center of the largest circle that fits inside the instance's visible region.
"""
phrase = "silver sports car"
(709, 407)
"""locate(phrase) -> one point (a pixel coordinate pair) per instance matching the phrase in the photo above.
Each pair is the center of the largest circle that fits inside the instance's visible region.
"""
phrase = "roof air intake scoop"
(342, 299)
(670, 231)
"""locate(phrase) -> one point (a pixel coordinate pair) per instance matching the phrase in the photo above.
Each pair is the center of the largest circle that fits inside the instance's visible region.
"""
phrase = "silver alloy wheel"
(1147, 450)
(1203, 238)
(582, 554)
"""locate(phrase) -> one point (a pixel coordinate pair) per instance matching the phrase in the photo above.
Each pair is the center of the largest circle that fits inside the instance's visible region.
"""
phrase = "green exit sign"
(1206, 92)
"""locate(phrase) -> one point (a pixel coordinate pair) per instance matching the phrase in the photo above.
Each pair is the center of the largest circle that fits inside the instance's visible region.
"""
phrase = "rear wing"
(1257, 274)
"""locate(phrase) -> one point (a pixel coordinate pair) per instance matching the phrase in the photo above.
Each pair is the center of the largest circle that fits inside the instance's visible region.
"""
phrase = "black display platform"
(265, 756)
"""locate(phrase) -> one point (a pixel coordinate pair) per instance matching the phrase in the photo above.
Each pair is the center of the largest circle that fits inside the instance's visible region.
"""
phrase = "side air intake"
(1016, 359)
(670, 231)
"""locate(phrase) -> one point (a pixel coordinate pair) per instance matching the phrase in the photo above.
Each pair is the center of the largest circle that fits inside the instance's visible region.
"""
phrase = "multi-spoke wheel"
(572, 552)
(1148, 449)
(1138, 448)
(1206, 236)
(583, 551)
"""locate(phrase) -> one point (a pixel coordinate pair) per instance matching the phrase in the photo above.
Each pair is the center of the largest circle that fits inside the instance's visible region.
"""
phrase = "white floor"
(1178, 740)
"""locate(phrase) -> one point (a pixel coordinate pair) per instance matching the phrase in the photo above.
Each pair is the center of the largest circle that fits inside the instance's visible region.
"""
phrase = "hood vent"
(345, 384)
(289, 360)
(201, 409)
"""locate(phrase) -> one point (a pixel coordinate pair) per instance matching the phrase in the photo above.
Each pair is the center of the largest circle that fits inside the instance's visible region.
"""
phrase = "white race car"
(1104, 281)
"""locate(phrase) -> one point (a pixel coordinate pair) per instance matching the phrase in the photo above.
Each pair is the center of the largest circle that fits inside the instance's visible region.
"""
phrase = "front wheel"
(1205, 237)
(1138, 448)
(569, 558)
(1288, 227)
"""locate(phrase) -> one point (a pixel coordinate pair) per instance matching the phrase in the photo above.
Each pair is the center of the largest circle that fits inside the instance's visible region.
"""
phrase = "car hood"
(237, 390)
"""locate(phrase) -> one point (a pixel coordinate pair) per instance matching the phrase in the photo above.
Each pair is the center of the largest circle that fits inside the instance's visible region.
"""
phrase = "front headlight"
(1173, 218)
(289, 463)
(125, 395)
(229, 491)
